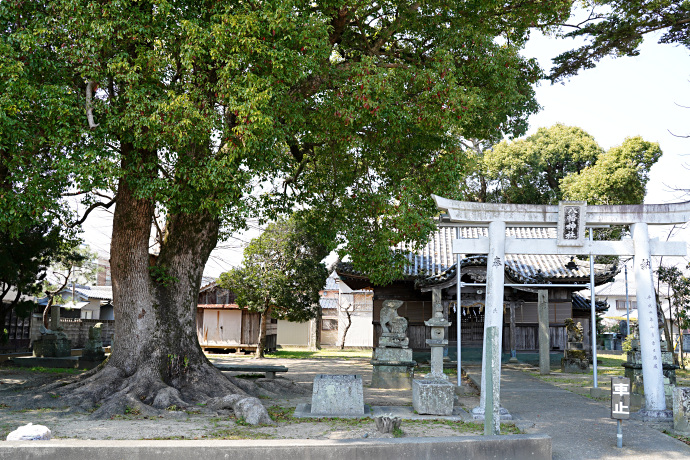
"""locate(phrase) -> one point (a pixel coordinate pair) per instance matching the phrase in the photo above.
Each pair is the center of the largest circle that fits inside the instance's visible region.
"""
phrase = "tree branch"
(91, 208)
(89, 104)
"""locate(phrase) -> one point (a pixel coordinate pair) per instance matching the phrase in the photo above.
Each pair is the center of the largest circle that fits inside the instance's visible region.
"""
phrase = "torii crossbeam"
(572, 218)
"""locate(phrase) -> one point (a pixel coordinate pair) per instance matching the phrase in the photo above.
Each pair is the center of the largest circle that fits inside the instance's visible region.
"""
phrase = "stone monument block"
(681, 409)
(434, 397)
(55, 344)
(337, 395)
(93, 349)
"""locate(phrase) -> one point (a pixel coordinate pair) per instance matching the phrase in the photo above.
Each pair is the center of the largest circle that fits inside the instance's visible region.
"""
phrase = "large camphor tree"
(189, 116)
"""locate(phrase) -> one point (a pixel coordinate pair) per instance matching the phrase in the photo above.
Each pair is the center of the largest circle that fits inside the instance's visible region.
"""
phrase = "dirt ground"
(18, 383)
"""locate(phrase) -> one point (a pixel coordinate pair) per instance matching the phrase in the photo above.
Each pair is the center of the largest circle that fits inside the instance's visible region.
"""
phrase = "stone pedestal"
(433, 396)
(575, 360)
(54, 344)
(393, 368)
(681, 409)
(633, 371)
(336, 395)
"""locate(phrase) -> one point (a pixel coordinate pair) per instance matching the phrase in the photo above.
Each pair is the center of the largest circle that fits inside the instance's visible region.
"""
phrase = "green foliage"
(241, 109)
(26, 256)
(160, 275)
(617, 27)
(281, 272)
(626, 346)
(530, 170)
(563, 163)
(619, 176)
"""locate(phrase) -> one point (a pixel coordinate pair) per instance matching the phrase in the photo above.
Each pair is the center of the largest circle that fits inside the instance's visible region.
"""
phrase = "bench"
(270, 371)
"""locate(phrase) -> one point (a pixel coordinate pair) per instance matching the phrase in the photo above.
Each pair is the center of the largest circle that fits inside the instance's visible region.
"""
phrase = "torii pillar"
(571, 218)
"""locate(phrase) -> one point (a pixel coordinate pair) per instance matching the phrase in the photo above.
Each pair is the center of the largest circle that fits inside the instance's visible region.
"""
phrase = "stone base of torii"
(571, 219)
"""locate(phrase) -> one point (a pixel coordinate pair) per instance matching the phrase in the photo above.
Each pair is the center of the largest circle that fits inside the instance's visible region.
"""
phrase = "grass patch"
(238, 433)
(680, 437)
(301, 353)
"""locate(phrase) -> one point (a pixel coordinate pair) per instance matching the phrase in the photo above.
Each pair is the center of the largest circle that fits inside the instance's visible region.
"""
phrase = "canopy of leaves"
(619, 176)
(281, 271)
(238, 108)
(617, 28)
(530, 170)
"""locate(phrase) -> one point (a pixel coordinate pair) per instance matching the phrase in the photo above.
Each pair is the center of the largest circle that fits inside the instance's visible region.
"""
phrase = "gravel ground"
(222, 425)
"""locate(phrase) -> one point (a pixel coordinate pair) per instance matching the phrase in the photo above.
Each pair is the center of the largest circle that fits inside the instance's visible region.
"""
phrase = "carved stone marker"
(337, 395)
(93, 349)
(681, 409)
(574, 360)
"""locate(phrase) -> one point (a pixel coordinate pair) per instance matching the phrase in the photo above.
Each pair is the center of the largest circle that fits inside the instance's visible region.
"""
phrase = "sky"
(622, 97)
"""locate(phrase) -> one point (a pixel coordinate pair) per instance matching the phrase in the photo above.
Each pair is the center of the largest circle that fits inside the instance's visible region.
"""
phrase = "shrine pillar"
(648, 322)
(493, 313)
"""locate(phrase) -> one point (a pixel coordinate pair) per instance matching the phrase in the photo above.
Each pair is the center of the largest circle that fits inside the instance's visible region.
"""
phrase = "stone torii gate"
(571, 218)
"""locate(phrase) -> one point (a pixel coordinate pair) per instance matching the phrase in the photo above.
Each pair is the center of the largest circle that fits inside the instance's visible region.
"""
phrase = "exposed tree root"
(107, 391)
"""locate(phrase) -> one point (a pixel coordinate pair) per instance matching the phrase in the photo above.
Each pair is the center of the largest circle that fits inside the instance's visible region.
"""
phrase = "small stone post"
(54, 317)
(544, 339)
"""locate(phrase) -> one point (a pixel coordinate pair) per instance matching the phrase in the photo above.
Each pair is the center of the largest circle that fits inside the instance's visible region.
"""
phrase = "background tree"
(564, 162)
(281, 275)
(205, 112)
(26, 257)
(78, 265)
(530, 170)
(679, 301)
(619, 176)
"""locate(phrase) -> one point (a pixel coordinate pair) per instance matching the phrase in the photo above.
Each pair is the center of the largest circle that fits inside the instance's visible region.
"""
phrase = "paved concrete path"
(580, 428)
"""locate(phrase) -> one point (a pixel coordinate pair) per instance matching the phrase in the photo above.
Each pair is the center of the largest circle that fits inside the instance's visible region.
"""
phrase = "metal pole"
(593, 310)
(619, 436)
(627, 303)
(458, 319)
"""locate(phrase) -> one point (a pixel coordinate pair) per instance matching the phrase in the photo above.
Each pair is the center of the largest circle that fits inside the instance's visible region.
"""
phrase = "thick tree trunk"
(156, 360)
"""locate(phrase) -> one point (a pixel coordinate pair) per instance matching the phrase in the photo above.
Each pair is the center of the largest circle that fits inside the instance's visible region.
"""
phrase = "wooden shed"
(224, 325)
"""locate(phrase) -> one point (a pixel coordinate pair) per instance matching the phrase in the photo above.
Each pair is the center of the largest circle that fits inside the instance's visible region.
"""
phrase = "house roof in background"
(95, 292)
(328, 303)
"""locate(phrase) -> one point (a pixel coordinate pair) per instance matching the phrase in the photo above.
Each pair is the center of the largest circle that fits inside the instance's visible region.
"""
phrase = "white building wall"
(291, 333)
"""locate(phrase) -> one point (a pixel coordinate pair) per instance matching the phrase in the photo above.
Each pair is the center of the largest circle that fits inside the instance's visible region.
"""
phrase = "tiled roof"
(581, 303)
(96, 292)
(331, 282)
(437, 262)
(328, 303)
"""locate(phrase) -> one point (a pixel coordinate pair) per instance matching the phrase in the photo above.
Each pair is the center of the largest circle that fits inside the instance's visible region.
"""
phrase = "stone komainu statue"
(575, 331)
(390, 321)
